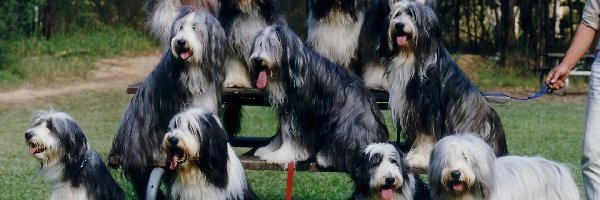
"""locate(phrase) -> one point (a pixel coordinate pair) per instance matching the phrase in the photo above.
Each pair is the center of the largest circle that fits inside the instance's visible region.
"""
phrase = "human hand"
(557, 76)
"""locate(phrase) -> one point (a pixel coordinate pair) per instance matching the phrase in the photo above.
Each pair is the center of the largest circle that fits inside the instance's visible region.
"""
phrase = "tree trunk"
(456, 17)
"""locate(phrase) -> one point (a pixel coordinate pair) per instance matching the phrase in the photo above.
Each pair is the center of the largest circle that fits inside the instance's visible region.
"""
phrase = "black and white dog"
(324, 111)
(334, 27)
(205, 165)
(189, 74)
(382, 174)
(162, 14)
(73, 168)
(430, 97)
(242, 20)
(463, 166)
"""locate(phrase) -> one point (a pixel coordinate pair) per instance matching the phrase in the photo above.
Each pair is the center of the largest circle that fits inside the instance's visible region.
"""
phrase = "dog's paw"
(323, 161)
(286, 153)
(418, 161)
(260, 152)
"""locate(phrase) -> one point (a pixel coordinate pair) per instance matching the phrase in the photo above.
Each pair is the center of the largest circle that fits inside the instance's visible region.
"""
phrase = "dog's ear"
(73, 142)
(213, 151)
(361, 174)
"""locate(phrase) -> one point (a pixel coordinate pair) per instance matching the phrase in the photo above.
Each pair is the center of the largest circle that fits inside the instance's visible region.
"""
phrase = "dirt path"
(117, 73)
(114, 73)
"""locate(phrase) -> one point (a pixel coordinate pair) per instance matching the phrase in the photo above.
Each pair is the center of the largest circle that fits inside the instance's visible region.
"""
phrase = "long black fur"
(162, 95)
(83, 167)
(438, 98)
(334, 113)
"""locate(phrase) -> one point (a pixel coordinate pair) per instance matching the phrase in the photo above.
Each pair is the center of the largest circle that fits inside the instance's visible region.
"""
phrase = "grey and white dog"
(73, 168)
(205, 165)
(430, 96)
(324, 111)
(189, 74)
(242, 20)
(463, 166)
(162, 14)
(381, 173)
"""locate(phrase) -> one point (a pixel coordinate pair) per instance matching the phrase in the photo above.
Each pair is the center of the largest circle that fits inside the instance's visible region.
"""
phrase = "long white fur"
(161, 19)
(509, 177)
(336, 38)
(191, 183)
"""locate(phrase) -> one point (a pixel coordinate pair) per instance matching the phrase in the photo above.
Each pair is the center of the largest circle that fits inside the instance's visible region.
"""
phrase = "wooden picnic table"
(255, 97)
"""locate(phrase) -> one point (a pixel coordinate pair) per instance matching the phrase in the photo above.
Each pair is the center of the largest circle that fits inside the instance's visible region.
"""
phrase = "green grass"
(64, 57)
(542, 127)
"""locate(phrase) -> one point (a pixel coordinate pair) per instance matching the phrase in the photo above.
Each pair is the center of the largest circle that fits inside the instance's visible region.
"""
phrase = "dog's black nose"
(455, 174)
(28, 135)
(181, 43)
(399, 27)
(257, 61)
(173, 140)
(390, 180)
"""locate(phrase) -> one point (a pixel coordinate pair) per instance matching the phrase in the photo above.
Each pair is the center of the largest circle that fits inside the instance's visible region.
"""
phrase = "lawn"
(545, 127)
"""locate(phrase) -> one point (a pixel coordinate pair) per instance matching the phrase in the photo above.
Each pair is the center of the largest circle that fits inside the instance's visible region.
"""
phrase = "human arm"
(583, 39)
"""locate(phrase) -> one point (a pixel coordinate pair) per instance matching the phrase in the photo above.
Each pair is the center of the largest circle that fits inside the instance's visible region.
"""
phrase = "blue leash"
(543, 90)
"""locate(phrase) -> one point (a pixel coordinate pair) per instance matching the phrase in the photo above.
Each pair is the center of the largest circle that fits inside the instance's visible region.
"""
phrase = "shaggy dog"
(324, 111)
(463, 166)
(333, 29)
(242, 20)
(370, 62)
(73, 168)
(162, 14)
(382, 174)
(189, 74)
(206, 166)
(430, 97)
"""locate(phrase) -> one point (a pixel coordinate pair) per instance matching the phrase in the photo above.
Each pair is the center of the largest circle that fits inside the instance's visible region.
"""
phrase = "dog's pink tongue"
(457, 186)
(185, 55)
(174, 161)
(32, 150)
(401, 40)
(261, 82)
(387, 194)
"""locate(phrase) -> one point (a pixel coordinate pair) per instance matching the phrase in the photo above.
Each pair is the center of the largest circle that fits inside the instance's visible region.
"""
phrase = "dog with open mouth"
(189, 74)
(205, 165)
(324, 112)
(73, 168)
(430, 96)
(383, 174)
(463, 166)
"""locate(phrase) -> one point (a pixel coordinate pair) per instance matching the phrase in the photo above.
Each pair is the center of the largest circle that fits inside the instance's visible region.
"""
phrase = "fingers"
(550, 76)
(556, 85)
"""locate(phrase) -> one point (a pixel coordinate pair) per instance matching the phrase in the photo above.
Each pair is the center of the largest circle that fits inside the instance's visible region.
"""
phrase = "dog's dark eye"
(410, 14)
(393, 161)
(49, 125)
(397, 14)
(181, 28)
(194, 27)
(375, 159)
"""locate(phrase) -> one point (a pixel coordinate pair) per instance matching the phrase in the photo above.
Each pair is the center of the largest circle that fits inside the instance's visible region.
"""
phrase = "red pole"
(290, 181)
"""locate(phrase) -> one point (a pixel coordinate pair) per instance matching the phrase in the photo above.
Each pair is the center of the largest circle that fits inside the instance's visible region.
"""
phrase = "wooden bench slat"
(256, 97)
